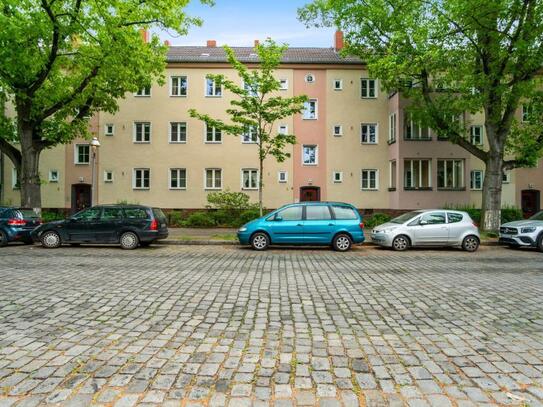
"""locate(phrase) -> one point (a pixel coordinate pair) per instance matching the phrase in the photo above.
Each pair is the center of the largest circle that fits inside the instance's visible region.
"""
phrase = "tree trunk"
(492, 193)
(29, 178)
(260, 186)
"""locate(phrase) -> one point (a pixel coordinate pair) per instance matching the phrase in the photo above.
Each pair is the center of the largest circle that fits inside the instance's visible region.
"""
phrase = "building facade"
(356, 143)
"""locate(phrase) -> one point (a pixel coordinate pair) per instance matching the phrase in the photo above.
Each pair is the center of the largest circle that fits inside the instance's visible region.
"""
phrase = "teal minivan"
(333, 224)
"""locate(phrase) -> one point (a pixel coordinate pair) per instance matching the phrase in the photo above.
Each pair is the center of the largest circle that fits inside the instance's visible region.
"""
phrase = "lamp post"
(95, 143)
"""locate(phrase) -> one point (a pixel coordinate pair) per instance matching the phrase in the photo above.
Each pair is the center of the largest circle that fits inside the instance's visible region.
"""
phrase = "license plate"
(506, 236)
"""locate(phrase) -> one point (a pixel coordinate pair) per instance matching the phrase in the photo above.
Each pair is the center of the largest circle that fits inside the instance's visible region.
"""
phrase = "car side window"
(88, 214)
(112, 214)
(454, 217)
(433, 218)
(317, 212)
(136, 213)
(344, 213)
(290, 213)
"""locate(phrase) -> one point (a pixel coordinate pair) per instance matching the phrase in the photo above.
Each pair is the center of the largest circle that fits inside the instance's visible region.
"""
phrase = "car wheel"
(470, 243)
(260, 241)
(3, 238)
(342, 243)
(50, 240)
(540, 243)
(129, 240)
(400, 243)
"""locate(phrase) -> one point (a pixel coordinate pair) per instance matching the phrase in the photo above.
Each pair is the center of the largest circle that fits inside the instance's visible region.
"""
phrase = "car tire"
(470, 243)
(50, 240)
(129, 241)
(260, 241)
(540, 243)
(401, 243)
(3, 238)
(342, 242)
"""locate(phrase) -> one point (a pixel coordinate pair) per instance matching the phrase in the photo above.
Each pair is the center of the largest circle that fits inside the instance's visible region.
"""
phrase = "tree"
(257, 107)
(454, 57)
(61, 61)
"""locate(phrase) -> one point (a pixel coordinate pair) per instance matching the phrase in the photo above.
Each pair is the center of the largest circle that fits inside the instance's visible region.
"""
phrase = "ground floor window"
(370, 179)
(142, 178)
(213, 179)
(417, 174)
(476, 180)
(249, 179)
(450, 174)
(178, 178)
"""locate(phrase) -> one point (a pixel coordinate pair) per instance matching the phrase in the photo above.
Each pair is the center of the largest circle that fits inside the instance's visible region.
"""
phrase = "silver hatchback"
(428, 228)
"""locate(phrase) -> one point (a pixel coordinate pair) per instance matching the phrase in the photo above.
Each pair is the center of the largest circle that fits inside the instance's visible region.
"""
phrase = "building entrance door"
(530, 202)
(310, 194)
(81, 197)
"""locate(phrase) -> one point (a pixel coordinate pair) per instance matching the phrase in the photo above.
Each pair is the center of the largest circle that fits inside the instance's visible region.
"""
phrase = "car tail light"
(154, 225)
(361, 225)
(16, 222)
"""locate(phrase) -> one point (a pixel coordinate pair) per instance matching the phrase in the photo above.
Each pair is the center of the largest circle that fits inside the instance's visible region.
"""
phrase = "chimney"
(257, 43)
(144, 35)
(167, 43)
(339, 43)
(211, 43)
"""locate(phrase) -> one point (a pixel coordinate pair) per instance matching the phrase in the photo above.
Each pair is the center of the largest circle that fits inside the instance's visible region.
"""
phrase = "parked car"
(127, 225)
(523, 233)
(428, 228)
(307, 223)
(16, 225)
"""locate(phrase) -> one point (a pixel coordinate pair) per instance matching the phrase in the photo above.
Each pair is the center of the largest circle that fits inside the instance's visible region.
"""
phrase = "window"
(14, 179)
(310, 78)
(368, 133)
(368, 88)
(370, 179)
(344, 212)
(108, 176)
(338, 130)
(109, 129)
(506, 177)
(88, 214)
(249, 179)
(178, 132)
(338, 84)
(392, 170)
(111, 213)
(141, 178)
(252, 89)
(453, 217)
(290, 213)
(476, 180)
(392, 128)
(283, 129)
(413, 130)
(433, 218)
(213, 179)
(142, 132)
(282, 176)
(213, 135)
(144, 92)
(178, 86)
(337, 177)
(526, 113)
(82, 153)
(417, 174)
(317, 212)
(53, 176)
(476, 135)
(250, 135)
(283, 84)
(212, 89)
(310, 155)
(178, 178)
(450, 174)
(136, 213)
(310, 110)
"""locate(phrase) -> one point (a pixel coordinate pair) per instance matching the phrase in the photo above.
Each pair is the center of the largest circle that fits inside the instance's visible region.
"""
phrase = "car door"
(318, 224)
(107, 227)
(456, 227)
(431, 230)
(286, 226)
(81, 226)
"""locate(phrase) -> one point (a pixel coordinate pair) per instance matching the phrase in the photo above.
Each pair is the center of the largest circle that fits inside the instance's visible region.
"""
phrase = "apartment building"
(356, 143)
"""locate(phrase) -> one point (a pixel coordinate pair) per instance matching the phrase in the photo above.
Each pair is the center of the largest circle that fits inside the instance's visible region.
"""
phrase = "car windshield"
(405, 217)
(537, 216)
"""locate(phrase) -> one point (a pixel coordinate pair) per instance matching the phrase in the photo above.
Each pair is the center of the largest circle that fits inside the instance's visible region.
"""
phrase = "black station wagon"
(127, 225)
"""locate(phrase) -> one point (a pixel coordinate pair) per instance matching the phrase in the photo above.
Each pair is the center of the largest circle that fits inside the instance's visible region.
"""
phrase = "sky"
(240, 22)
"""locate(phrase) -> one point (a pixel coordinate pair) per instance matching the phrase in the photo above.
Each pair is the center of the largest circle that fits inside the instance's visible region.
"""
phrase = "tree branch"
(13, 154)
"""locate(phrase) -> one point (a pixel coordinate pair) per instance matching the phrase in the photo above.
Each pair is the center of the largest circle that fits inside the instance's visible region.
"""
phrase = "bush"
(199, 220)
(230, 201)
(175, 219)
(248, 216)
(48, 216)
(225, 217)
(511, 213)
(376, 219)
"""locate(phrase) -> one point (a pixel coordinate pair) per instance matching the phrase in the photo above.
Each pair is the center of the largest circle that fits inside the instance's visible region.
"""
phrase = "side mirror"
(423, 222)
(278, 218)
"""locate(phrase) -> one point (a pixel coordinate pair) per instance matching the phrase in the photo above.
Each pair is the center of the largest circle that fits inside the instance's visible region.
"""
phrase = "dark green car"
(127, 225)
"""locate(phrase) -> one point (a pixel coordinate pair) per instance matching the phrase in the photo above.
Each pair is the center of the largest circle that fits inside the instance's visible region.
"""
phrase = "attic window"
(252, 54)
(205, 54)
(309, 78)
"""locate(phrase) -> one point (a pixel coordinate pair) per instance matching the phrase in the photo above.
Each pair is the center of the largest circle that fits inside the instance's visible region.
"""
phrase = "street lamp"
(95, 143)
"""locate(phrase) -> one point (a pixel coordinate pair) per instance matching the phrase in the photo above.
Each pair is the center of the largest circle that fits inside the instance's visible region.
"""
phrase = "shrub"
(199, 220)
(225, 217)
(175, 219)
(248, 216)
(231, 201)
(376, 219)
(511, 213)
(48, 216)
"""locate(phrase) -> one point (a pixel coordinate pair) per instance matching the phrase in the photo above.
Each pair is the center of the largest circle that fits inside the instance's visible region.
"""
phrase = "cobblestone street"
(215, 326)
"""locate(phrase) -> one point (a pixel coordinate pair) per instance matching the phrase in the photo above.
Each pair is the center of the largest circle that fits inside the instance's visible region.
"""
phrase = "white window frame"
(471, 135)
(393, 174)
(506, 177)
(142, 94)
(134, 178)
(106, 178)
(307, 106)
(14, 179)
(283, 84)
(316, 146)
(54, 179)
(310, 78)
(392, 128)
(472, 185)
(337, 180)
(281, 127)
(135, 132)
(214, 187)
(76, 154)
(214, 133)
(376, 125)
(179, 78)
(247, 136)
(368, 171)
(178, 126)
(106, 129)
(337, 133)
(217, 92)
(420, 160)
(336, 82)
(375, 88)
(455, 184)
(284, 179)
(408, 118)
(251, 171)
(177, 169)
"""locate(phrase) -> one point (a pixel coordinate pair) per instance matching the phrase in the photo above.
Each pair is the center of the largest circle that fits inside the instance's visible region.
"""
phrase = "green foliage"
(230, 201)
(247, 216)
(511, 213)
(50, 216)
(508, 213)
(375, 220)
(199, 220)
(126, 202)
(175, 219)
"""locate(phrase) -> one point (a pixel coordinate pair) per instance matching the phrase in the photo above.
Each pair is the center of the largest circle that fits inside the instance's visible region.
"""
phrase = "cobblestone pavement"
(215, 326)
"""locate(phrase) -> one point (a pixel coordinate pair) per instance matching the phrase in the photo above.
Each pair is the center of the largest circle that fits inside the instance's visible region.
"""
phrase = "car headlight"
(242, 229)
(527, 230)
